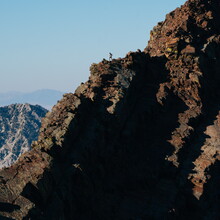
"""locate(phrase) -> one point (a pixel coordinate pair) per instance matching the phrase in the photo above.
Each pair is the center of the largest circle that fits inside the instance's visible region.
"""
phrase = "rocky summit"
(139, 140)
(19, 126)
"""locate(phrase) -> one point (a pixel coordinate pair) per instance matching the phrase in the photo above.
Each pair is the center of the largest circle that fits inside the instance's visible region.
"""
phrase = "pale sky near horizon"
(51, 43)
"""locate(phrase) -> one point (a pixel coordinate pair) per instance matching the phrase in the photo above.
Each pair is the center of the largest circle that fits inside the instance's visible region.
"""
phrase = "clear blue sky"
(51, 43)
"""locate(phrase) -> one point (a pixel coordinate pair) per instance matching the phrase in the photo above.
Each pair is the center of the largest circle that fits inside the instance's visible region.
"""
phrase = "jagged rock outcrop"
(139, 140)
(19, 126)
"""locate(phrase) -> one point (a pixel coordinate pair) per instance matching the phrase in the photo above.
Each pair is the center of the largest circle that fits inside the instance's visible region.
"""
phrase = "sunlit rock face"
(19, 126)
(139, 140)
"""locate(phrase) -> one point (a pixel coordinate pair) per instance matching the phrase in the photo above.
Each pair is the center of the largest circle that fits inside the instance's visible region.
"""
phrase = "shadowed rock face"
(139, 140)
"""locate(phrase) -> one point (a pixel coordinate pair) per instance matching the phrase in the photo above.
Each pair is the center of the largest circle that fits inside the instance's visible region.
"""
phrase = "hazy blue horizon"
(31, 91)
(51, 43)
(43, 97)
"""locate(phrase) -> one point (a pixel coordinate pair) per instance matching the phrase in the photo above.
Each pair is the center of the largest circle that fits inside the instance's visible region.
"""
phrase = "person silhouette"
(110, 56)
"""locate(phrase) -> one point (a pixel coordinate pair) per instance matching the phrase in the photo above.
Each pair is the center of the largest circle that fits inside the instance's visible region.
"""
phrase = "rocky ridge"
(19, 126)
(139, 140)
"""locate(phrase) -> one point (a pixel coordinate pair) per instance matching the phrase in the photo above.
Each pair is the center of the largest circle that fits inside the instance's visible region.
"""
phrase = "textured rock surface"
(139, 140)
(19, 126)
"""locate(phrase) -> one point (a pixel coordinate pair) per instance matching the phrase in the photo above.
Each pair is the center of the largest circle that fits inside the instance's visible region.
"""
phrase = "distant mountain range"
(45, 97)
(19, 126)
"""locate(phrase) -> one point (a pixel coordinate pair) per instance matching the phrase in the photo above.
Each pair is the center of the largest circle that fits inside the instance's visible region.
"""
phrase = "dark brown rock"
(139, 140)
(189, 50)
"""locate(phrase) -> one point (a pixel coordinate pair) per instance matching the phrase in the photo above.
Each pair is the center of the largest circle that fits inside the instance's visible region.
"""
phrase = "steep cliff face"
(189, 38)
(139, 140)
(19, 126)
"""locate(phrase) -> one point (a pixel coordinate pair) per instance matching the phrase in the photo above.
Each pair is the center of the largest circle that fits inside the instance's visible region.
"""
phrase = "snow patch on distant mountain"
(19, 126)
